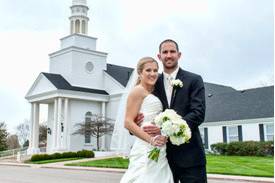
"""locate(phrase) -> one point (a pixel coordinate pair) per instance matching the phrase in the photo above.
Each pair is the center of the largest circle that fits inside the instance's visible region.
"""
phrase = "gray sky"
(228, 42)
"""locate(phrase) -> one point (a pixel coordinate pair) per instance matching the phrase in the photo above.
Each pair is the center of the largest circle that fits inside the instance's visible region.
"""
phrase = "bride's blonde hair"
(141, 63)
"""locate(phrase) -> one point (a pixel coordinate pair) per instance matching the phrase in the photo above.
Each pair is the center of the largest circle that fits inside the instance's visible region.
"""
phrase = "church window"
(233, 133)
(89, 67)
(88, 117)
(77, 26)
(204, 137)
(269, 129)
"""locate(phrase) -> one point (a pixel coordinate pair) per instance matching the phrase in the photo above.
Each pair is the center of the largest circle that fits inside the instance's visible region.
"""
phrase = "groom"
(187, 161)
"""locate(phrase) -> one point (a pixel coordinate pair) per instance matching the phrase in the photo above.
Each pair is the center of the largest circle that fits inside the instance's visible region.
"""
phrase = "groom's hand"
(152, 130)
(138, 120)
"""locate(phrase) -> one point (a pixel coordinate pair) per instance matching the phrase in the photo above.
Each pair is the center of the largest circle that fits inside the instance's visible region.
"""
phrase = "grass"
(51, 161)
(241, 165)
(229, 165)
(105, 163)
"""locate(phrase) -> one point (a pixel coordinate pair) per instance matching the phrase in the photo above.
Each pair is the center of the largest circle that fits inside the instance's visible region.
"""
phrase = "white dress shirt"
(167, 78)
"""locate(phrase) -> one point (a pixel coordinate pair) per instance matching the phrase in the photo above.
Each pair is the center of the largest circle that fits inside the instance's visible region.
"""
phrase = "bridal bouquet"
(172, 126)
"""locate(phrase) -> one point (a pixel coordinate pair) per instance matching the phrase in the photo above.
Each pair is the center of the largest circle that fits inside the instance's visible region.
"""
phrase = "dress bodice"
(150, 107)
(141, 168)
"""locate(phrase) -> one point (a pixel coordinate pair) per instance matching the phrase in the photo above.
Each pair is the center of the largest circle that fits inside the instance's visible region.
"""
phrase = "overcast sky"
(228, 42)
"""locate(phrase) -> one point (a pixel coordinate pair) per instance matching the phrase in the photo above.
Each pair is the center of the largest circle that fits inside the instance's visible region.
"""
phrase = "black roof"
(223, 103)
(119, 73)
(213, 89)
(61, 83)
(238, 105)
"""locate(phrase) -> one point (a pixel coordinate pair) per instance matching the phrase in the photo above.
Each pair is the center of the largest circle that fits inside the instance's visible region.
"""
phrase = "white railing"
(11, 153)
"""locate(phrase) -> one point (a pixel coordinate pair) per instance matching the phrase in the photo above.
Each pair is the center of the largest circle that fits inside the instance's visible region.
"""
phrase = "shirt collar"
(173, 74)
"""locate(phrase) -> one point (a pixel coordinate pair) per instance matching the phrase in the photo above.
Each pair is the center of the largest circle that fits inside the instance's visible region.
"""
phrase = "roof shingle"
(61, 83)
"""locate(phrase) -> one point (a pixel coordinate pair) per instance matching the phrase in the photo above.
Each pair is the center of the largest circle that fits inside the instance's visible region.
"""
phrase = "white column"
(103, 111)
(54, 132)
(86, 27)
(34, 137)
(36, 126)
(66, 125)
(80, 28)
(31, 131)
(59, 120)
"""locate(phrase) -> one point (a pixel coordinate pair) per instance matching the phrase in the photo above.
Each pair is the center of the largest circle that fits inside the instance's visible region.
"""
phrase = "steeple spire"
(79, 19)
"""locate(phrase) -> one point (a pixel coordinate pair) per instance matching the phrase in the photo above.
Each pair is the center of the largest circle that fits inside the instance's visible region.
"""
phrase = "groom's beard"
(171, 67)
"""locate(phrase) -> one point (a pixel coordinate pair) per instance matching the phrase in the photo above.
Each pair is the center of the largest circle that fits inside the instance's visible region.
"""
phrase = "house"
(237, 115)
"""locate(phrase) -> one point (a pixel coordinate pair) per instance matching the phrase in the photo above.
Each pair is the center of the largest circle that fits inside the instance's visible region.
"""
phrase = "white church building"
(79, 83)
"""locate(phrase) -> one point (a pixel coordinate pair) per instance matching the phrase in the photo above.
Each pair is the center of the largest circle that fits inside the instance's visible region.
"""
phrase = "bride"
(141, 100)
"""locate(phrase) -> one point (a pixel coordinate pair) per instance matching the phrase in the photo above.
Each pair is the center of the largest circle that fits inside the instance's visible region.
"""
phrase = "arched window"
(83, 27)
(88, 117)
(77, 26)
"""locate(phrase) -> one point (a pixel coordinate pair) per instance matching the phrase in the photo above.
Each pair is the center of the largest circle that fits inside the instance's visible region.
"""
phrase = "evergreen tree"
(3, 136)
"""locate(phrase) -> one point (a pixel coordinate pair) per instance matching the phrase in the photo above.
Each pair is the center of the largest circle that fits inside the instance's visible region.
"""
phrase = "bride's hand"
(158, 140)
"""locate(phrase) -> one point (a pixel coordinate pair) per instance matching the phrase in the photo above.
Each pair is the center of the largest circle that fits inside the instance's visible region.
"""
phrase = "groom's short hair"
(168, 40)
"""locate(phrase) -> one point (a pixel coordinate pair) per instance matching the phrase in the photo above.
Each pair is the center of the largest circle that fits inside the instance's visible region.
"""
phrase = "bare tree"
(3, 136)
(96, 126)
(12, 142)
(23, 132)
(269, 81)
(43, 134)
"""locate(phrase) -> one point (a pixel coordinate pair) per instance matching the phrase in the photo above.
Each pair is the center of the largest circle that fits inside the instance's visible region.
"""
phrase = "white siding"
(214, 135)
(111, 85)
(251, 132)
(41, 85)
(77, 114)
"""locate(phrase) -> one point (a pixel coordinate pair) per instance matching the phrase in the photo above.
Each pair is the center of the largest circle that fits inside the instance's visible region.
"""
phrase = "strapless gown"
(142, 169)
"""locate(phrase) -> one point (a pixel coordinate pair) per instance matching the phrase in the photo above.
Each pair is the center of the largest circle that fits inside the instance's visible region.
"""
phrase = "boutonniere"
(176, 83)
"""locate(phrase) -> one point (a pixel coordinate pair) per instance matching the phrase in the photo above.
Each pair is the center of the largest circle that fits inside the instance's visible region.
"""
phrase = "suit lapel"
(176, 89)
(162, 92)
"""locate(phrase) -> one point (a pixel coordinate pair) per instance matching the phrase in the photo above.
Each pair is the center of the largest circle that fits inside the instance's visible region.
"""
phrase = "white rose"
(167, 128)
(177, 140)
(177, 83)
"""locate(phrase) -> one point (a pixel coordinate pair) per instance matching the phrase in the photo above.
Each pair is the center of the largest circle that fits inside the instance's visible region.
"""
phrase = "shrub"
(219, 148)
(56, 156)
(85, 154)
(247, 148)
(81, 154)
(40, 157)
(266, 148)
(69, 154)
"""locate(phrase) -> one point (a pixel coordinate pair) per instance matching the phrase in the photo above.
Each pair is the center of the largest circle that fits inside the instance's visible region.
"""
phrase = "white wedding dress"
(142, 169)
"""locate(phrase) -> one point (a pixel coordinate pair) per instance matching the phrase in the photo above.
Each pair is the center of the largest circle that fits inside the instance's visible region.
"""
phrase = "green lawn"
(51, 161)
(230, 165)
(241, 165)
(106, 163)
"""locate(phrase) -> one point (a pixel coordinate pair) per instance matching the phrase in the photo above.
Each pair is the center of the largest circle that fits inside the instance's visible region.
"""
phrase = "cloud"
(228, 42)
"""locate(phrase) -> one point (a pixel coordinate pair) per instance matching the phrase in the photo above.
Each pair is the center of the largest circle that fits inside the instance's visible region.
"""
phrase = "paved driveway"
(16, 174)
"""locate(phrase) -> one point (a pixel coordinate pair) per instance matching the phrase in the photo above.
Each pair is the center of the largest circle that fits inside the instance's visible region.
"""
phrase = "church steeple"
(79, 19)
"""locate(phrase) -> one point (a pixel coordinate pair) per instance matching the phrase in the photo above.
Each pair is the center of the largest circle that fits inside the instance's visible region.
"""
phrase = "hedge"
(80, 154)
(246, 148)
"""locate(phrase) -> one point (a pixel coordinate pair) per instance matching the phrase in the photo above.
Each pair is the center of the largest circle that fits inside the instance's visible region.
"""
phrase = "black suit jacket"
(189, 102)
